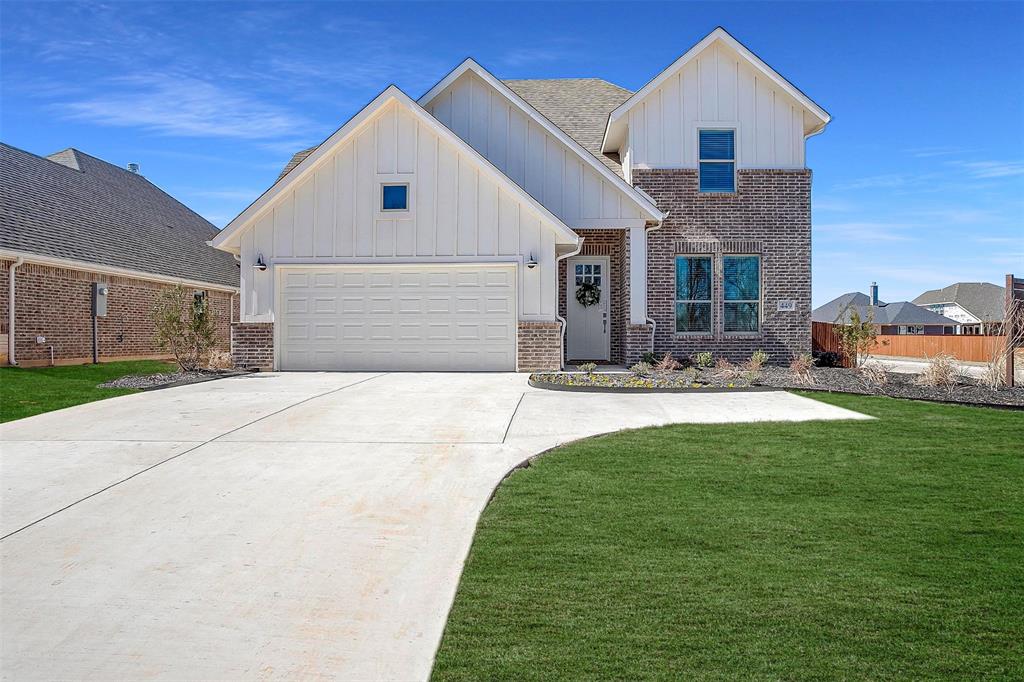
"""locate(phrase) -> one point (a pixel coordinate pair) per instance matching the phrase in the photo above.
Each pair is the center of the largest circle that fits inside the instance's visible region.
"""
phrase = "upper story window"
(741, 285)
(717, 160)
(394, 197)
(693, 294)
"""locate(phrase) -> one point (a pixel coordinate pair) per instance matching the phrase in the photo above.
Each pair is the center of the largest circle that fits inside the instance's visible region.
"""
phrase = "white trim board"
(227, 239)
(646, 205)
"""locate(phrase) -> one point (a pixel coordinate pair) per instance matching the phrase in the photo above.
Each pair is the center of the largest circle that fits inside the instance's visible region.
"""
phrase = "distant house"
(977, 307)
(72, 226)
(901, 317)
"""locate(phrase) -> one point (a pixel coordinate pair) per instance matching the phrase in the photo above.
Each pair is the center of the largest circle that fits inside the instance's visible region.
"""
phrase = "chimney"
(133, 168)
(873, 295)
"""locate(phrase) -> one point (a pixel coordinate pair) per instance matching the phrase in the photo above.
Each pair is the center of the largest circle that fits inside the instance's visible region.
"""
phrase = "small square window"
(394, 197)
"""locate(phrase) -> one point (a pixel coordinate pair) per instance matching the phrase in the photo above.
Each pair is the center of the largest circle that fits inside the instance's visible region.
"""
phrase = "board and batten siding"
(456, 213)
(718, 86)
(546, 168)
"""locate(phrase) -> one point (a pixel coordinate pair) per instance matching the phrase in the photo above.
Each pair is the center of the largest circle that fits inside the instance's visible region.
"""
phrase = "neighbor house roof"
(76, 207)
(985, 301)
(901, 312)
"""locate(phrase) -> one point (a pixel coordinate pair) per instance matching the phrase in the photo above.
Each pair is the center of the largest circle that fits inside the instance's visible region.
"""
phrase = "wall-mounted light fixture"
(260, 265)
(532, 263)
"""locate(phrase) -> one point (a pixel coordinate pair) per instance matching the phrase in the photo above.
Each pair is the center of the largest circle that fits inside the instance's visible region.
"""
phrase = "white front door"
(587, 331)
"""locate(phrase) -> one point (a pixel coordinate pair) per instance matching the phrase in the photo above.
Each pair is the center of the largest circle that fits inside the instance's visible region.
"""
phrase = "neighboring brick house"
(530, 224)
(69, 221)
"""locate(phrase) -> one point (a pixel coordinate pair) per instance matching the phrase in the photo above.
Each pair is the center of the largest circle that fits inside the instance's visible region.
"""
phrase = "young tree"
(185, 326)
(856, 335)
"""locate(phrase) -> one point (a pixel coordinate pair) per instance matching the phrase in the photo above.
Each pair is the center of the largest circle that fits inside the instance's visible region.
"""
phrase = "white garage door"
(398, 317)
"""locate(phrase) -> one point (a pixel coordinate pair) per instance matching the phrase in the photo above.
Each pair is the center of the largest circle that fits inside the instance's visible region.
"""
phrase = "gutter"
(561, 320)
(647, 302)
(10, 311)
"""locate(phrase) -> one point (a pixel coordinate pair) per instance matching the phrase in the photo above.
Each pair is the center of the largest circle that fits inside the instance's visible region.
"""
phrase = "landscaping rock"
(149, 381)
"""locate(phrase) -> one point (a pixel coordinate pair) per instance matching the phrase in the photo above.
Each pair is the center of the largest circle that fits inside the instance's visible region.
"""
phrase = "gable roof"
(616, 124)
(985, 301)
(226, 238)
(578, 106)
(646, 205)
(77, 207)
(900, 312)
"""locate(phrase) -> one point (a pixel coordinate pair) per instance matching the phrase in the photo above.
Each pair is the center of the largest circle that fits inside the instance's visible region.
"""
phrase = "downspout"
(647, 302)
(10, 311)
(561, 320)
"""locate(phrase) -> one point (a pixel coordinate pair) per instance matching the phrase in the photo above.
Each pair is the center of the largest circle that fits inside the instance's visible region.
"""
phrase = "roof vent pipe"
(873, 295)
(133, 168)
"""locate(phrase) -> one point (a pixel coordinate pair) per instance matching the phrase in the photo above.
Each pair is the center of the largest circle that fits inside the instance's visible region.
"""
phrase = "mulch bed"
(831, 379)
(148, 382)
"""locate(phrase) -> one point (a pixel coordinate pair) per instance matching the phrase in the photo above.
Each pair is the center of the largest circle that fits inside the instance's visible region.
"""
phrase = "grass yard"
(28, 391)
(891, 549)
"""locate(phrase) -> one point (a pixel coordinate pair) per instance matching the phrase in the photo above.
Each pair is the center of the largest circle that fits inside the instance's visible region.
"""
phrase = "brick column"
(252, 345)
(539, 346)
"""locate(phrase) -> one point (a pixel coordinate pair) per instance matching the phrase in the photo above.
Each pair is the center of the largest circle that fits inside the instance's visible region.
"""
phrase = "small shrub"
(667, 364)
(703, 359)
(801, 368)
(876, 374)
(758, 359)
(726, 370)
(690, 375)
(650, 358)
(994, 376)
(220, 359)
(829, 359)
(185, 326)
(856, 335)
(942, 371)
(587, 367)
(641, 369)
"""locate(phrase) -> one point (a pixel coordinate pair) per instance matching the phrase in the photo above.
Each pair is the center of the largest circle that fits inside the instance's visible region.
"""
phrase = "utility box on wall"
(99, 299)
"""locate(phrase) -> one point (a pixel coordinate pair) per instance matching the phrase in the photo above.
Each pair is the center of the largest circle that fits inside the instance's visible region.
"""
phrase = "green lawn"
(891, 549)
(28, 391)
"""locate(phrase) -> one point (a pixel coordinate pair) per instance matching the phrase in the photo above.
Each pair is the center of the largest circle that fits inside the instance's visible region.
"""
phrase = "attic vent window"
(717, 160)
(394, 197)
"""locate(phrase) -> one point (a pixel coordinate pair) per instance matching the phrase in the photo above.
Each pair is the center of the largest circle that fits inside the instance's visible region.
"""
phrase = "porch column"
(638, 275)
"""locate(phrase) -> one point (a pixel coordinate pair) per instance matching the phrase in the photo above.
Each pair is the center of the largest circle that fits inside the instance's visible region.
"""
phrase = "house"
(901, 317)
(74, 228)
(977, 307)
(530, 224)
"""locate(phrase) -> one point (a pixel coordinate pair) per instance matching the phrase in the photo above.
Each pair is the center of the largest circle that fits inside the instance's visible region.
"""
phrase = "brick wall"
(252, 345)
(539, 346)
(56, 303)
(769, 215)
(611, 243)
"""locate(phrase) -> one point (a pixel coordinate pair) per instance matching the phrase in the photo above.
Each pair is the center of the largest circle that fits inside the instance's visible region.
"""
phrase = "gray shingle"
(75, 206)
(985, 301)
(900, 312)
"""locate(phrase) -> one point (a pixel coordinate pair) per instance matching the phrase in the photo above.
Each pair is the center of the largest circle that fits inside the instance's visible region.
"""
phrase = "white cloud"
(183, 106)
(867, 231)
(993, 169)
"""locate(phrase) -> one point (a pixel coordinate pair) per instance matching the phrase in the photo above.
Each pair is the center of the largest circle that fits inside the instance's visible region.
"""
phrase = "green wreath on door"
(588, 294)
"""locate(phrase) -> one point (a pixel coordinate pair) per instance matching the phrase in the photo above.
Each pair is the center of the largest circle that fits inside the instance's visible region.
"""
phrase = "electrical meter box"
(99, 299)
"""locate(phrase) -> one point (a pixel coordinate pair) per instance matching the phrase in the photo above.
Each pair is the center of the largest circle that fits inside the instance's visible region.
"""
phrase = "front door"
(587, 332)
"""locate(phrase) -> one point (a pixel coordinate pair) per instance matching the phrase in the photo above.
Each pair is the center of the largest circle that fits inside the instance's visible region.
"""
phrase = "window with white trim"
(394, 197)
(717, 162)
(693, 294)
(741, 288)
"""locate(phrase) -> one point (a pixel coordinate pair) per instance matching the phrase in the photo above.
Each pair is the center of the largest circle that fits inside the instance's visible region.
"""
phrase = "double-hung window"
(717, 160)
(693, 294)
(742, 288)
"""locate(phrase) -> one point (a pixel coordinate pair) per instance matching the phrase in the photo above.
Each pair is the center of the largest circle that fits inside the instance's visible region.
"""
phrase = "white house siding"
(545, 167)
(718, 87)
(457, 214)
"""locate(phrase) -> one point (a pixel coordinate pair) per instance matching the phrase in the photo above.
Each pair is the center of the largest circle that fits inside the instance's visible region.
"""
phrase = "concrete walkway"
(277, 525)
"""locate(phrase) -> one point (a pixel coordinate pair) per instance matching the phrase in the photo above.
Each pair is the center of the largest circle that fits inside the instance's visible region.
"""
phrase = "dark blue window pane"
(693, 278)
(717, 144)
(717, 177)
(741, 317)
(742, 278)
(693, 317)
(395, 197)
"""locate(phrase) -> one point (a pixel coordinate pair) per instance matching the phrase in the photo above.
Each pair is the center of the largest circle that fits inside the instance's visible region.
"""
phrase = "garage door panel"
(399, 318)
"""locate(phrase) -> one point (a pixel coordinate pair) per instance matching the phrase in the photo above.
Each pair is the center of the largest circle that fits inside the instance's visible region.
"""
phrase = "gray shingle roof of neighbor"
(900, 312)
(75, 206)
(985, 301)
(579, 106)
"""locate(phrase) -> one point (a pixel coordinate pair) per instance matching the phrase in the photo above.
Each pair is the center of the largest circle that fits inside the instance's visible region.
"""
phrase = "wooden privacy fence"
(966, 348)
(823, 338)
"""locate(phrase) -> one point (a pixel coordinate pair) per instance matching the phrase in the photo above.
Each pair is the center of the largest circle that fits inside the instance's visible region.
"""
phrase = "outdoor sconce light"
(260, 265)
(532, 263)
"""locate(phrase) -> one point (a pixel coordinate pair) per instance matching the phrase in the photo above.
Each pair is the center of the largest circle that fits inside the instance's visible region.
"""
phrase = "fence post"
(1011, 321)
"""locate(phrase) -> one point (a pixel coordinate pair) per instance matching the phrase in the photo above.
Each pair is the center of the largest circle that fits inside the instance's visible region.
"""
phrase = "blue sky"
(918, 181)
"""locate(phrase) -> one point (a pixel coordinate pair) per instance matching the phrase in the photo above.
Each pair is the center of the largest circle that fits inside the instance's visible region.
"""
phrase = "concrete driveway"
(277, 525)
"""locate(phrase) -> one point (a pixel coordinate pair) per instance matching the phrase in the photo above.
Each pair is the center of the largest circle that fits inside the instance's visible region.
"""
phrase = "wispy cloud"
(929, 152)
(992, 169)
(867, 231)
(183, 106)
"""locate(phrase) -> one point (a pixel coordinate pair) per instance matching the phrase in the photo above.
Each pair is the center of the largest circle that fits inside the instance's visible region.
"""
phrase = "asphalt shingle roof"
(579, 106)
(900, 312)
(985, 301)
(72, 205)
